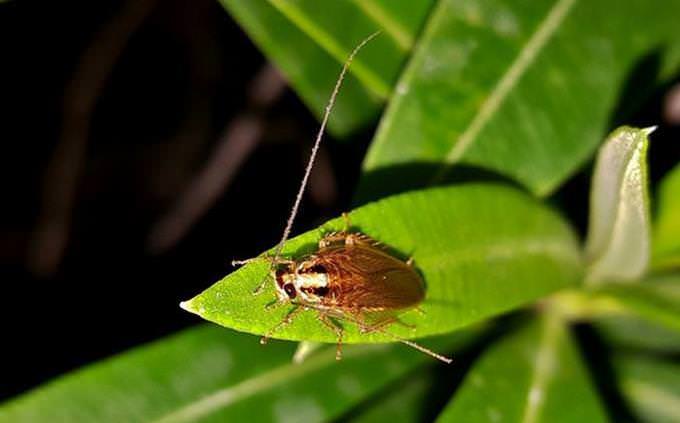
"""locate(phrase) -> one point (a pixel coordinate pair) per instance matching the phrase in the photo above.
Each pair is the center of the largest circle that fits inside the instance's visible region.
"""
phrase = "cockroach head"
(285, 283)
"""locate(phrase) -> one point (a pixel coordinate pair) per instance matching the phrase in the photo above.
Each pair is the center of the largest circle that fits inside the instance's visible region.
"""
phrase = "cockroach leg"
(258, 289)
(332, 238)
(337, 329)
(283, 323)
(409, 262)
(378, 326)
(273, 304)
(345, 217)
(274, 262)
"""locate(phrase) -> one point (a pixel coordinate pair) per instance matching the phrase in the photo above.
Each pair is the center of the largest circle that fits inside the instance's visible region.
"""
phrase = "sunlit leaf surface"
(482, 249)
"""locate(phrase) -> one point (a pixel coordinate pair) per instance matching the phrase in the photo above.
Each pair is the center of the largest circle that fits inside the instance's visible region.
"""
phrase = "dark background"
(180, 72)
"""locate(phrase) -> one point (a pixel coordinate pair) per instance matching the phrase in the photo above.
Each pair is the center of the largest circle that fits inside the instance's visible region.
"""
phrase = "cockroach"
(351, 277)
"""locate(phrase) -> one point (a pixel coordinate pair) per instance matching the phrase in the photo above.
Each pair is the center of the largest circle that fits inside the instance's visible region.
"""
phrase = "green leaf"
(618, 245)
(626, 331)
(666, 239)
(405, 402)
(656, 300)
(651, 386)
(208, 373)
(482, 249)
(524, 89)
(310, 40)
(533, 375)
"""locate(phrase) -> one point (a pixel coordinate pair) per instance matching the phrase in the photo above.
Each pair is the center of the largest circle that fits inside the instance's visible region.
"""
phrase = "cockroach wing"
(367, 278)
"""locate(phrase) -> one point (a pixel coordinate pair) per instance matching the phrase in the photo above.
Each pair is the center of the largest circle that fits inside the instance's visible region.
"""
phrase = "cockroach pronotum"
(351, 277)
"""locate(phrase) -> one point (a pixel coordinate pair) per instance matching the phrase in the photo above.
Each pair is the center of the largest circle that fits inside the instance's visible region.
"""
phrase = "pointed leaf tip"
(186, 305)
(618, 243)
(650, 129)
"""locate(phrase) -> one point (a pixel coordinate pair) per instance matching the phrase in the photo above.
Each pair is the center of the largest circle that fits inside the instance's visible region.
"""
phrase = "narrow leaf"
(666, 239)
(524, 89)
(310, 40)
(208, 373)
(482, 249)
(406, 402)
(618, 245)
(656, 300)
(533, 375)
(652, 387)
(632, 332)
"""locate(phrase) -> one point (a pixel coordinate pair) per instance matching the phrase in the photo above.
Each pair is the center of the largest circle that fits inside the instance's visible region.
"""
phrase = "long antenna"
(315, 149)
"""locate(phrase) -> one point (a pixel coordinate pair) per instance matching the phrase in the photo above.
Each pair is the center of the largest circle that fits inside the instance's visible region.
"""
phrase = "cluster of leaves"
(490, 91)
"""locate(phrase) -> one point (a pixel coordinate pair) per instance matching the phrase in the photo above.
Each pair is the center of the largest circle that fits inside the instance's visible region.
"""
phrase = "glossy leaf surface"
(524, 89)
(482, 249)
(532, 375)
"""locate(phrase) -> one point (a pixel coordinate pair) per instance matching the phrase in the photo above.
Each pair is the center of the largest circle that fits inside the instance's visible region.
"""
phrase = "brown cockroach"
(351, 277)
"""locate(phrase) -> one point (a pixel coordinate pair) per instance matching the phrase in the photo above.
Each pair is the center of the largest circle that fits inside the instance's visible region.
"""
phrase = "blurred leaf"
(656, 300)
(652, 387)
(632, 332)
(524, 89)
(403, 403)
(208, 373)
(617, 246)
(482, 249)
(310, 40)
(532, 375)
(666, 239)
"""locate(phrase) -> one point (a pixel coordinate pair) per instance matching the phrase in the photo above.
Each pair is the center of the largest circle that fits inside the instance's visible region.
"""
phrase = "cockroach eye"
(290, 290)
(279, 277)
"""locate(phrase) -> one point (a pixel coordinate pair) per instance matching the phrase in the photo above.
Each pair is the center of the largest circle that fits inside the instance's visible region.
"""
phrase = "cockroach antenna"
(349, 277)
(312, 157)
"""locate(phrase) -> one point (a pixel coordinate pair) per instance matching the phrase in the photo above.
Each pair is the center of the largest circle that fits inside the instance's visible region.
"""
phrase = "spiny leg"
(345, 217)
(332, 325)
(411, 344)
(337, 237)
(377, 327)
(285, 322)
(381, 329)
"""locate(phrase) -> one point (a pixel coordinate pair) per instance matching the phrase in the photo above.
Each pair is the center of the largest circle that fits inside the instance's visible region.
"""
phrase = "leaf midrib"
(525, 247)
(224, 397)
(543, 369)
(370, 79)
(507, 82)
